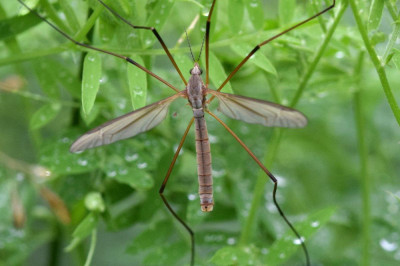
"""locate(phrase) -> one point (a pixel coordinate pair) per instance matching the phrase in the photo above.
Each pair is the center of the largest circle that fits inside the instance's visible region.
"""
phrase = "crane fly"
(242, 108)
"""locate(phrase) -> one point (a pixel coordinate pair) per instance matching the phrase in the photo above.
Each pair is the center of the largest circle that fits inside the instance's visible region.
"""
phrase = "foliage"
(338, 177)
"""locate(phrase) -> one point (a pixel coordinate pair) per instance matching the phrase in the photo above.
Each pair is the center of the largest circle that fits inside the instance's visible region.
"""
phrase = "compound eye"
(201, 71)
(190, 71)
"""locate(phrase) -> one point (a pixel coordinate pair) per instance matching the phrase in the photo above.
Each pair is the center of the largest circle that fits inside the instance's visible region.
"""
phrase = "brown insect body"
(242, 108)
(196, 91)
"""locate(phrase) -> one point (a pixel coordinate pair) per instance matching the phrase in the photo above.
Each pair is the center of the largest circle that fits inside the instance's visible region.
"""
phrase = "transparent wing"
(125, 126)
(256, 111)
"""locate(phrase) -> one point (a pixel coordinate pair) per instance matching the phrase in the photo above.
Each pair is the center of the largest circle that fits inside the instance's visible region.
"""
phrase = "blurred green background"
(338, 177)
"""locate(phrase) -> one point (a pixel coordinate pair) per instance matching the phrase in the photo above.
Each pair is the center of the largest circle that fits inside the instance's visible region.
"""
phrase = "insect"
(196, 91)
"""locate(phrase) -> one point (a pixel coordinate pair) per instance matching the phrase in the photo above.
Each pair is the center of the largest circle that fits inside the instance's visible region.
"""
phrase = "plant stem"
(376, 62)
(318, 55)
(363, 154)
(93, 241)
(248, 228)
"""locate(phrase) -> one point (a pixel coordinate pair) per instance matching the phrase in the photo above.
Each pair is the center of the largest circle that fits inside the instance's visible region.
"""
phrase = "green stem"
(376, 62)
(318, 56)
(248, 228)
(93, 241)
(363, 154)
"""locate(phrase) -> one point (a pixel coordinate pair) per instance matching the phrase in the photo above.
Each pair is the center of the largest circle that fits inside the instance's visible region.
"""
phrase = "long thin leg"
(164, 184)
(154, 31)
(208, 42)
(258, 46)
(129, 60)
(273, 179)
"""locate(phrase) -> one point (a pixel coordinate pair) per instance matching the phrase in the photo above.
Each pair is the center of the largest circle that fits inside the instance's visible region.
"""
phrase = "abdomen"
(204, 165)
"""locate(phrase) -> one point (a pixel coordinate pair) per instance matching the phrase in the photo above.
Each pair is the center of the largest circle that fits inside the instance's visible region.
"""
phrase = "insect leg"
(164, 184)
(273, 179)
(208, 42)
(129, 60)
(154, 31)
(258, 46)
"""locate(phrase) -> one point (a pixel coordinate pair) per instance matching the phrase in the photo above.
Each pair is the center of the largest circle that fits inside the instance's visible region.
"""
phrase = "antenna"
(201, 48)
(190, 47)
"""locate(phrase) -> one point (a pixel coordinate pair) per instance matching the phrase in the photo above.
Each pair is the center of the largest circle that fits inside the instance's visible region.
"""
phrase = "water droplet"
(282, 255)
(339, 54)
(157, 21)
(216, 238)
(298, 241)
(142, 165)
(147, 42)
(387, 245)
(192, 196)
(111, 173)
(231, 241)
(132, 35)
(281, 181)
(122, 104)
(123, 171)
(218, 173)
(82, 162)
(212, 138)
(131, 157)
(91, 58)
(103, 79)
(270, 207)
(264, 251)
(20, 176)
(244, 213)
(315, 224)
(138, 92)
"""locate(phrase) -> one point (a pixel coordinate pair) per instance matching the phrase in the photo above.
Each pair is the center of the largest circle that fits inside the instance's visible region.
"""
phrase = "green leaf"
(256, 14)
(157, 19)
(83, 230)
(137, 80)
(153, 236)
(235, 15)
(235, 256)
(44, 115)
(217, 73)
(13, 26)
(258, 58)
(131, 162)
(375, 14)
(133, 176)
(286, 11)
(55, 155)
(44, 70)
(287, 245)
(70, 15)
(90, 80)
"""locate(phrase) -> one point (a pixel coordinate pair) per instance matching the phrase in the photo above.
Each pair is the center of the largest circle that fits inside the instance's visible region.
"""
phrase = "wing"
(125, 126)
(256, 111)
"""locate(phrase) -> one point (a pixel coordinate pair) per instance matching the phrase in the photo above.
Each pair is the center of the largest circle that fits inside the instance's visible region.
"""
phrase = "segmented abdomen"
(204, 165)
